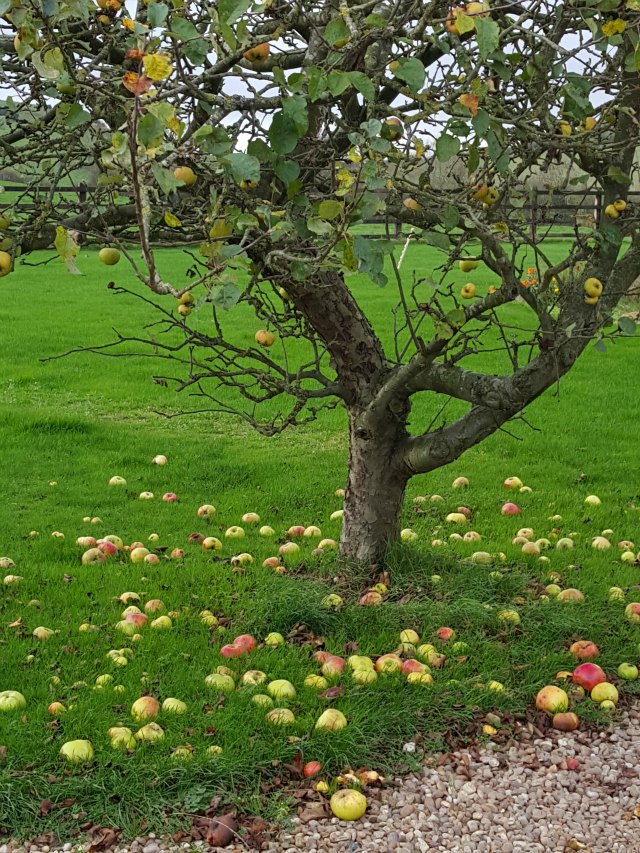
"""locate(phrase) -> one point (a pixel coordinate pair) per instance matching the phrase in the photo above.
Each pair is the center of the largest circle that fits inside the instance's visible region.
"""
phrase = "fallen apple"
(174, 706)
(145, 708)
(348, 804)
(552, 699)
(280, 717)
(632, 612)
(510, 509)
(12, 700)
(588, 675)
(565, 722)
(628, 671)
(221, 683)
(281, 689)
(584, 650)
(605, 692)
(331, 720)
(151, 732)
(77, 751)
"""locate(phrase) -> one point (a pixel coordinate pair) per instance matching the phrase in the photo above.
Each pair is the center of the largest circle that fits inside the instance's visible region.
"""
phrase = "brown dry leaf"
(3, 752)
(332, 693)
(574, 844)
(223, 831)
(312, 811)
(106, 838)
(135, 83)
(45, 807)
(636, 811)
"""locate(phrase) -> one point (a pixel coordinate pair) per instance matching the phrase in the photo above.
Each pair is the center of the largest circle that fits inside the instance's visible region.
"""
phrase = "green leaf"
(295, 109)
(473, 160)
(363, 84)
(287, 171)
(49, 8)
(600, 346)
(443, 331)
(481, 122)
(465, 23)
(447, 147)
(330, 209)
(371, 255)
(449, 217)
(300, 270)
(456, 318)
(5, 5)
(372, 127)
(412, 72)
(336, 32)
(318, 226)
(260, 149)
(150, 131)
(437, 239)
(157, 14)
(74, 115)
(165, 178)
(316, 82)
(497, 151)
(488, 35)
(67, 249)
(243, 167)
(627, 326)
(226, 296)
(616, 174)
(230, 10)
(182, 28)
(338, 82)
(283, 134)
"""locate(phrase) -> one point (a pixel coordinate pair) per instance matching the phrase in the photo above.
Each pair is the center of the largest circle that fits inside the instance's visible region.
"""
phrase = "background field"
(80, 420)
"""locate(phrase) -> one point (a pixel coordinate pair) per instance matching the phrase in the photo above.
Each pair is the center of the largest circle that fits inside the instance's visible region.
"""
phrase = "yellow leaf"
(171, 219)
(354, 156)
(489, 730)
(471, 102)
(128, 23)
(613, 27)
(419, 146)
(157, 66)
(220, 229)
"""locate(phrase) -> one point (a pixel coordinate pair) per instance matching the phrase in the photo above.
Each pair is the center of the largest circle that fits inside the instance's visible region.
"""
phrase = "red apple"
(584, 650)
(445, 634)
(296, 530)
(137, 619)
(632, 612)
(232, 651)
(333, 666)
(322, 657)
(565, 722)
(107, 547)
(587, 675)
(170, 497)
(370, 599)
(465, 511)
(311, 768)
(246, 642)
(177, 554)
(510, 509)
(271, 562)
(413, 665)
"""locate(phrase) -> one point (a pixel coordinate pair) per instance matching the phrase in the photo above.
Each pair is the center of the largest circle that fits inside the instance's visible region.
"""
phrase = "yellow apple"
(611, 211)
(109, 256)
(185, 174)
(264, 338)
(5, 263)
(468, 291)
(466, 264)
(258, 53)
(593, 287)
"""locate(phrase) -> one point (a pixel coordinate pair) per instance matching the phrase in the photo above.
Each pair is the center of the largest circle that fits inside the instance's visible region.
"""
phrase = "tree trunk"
(375, 491)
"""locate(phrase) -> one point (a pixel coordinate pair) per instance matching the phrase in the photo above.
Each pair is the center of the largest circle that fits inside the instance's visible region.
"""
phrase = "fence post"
(534, 213)
(597, 213)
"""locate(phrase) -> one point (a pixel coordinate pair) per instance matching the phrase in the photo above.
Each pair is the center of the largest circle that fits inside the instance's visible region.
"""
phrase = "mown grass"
(80, 420)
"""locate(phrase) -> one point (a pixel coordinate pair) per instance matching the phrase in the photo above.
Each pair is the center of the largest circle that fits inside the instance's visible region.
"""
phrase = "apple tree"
(263, 136)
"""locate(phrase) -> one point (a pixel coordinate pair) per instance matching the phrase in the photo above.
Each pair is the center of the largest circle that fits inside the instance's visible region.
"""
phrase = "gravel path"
(519, 799)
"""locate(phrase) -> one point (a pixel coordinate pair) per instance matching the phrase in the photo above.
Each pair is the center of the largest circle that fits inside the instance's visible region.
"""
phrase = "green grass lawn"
(80, 420)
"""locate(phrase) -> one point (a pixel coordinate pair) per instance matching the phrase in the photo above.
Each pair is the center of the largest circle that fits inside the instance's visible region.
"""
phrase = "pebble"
(532, 804)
